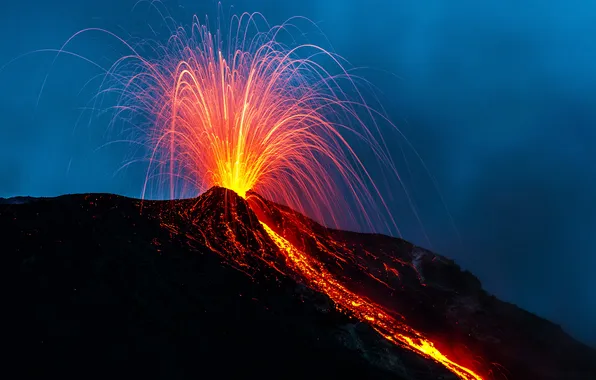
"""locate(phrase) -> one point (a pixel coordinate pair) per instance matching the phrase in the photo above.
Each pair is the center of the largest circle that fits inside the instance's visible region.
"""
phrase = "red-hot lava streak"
(246, 112)
(389, 327)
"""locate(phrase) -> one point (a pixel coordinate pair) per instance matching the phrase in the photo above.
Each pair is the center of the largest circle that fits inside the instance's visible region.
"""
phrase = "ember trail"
(245, 112)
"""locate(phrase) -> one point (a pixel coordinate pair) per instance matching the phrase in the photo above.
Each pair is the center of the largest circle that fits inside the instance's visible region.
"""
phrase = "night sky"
(498, 97)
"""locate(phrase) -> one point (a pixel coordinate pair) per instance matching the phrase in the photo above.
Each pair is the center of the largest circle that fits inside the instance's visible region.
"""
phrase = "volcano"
(102, 285)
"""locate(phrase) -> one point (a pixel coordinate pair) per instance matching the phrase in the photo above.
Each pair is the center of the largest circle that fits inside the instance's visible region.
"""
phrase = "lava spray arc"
(239, 109)
(242, 111)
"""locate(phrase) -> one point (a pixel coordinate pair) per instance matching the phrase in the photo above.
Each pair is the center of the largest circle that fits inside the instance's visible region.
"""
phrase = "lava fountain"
(244, 111)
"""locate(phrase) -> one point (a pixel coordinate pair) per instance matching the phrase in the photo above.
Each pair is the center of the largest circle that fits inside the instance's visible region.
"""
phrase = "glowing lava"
(246, 112)
(389, 327)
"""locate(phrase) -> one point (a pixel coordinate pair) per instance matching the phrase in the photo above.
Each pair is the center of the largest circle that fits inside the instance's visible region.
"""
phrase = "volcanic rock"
(102, 285)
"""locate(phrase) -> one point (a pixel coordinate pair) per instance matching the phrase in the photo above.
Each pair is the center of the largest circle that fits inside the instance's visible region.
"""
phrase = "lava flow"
(246, 112)
(385, 324)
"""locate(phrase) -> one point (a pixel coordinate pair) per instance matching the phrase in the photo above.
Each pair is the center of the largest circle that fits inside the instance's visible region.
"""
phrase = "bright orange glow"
(245, 112)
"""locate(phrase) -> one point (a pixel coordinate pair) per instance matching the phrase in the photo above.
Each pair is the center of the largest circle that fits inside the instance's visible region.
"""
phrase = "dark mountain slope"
(449, 305)
(98, 289)
(101, 285)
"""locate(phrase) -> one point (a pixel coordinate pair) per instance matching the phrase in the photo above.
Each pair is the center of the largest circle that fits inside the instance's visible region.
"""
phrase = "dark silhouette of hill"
(101, 285)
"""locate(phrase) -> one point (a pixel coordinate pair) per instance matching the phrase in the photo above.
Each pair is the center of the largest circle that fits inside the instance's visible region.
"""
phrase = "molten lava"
(392, 329)
(245, 112)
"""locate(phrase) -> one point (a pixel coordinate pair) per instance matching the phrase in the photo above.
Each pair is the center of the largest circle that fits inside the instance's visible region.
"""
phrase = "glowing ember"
(244, 112)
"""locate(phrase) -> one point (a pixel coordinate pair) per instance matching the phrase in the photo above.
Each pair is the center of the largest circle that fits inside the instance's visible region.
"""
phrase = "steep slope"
(436, 297)
(102, 285)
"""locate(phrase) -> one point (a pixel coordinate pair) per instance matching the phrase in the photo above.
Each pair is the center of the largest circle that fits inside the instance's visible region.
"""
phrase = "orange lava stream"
(363, 309)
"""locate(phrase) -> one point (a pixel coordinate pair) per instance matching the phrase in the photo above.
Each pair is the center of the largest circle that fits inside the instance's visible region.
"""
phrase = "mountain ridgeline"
(103, 285)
